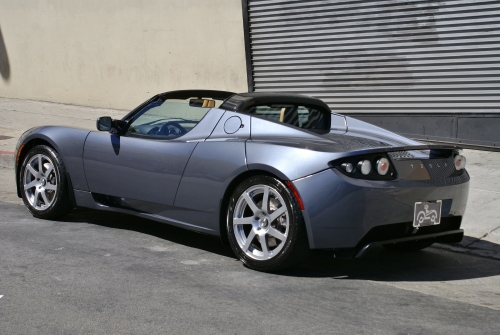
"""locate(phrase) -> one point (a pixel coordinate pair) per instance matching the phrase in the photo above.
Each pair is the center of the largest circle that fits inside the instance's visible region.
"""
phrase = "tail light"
(383, 166)
(365, 167)
(460, 162)
(376, 166)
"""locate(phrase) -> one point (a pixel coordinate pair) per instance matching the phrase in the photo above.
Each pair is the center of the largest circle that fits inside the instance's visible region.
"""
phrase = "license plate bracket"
(427, 213)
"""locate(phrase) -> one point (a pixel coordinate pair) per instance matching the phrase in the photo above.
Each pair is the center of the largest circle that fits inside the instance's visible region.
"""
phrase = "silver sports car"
(274, 175)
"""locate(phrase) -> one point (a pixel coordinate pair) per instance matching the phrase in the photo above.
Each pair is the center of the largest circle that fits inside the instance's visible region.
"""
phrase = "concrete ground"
(96, 272)
(481, 222)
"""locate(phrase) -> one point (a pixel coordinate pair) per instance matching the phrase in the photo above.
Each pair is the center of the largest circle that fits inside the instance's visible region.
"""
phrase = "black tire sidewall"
(291, 205)
(58, 206)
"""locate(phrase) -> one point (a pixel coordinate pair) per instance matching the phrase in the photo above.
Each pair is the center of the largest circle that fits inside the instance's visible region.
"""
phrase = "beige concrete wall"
(117, 53)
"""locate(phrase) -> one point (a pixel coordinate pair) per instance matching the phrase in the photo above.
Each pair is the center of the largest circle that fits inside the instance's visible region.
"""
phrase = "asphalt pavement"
(95, 272)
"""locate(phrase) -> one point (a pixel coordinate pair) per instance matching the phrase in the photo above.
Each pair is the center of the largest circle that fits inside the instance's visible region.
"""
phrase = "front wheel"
(265, 225)
(43, 183)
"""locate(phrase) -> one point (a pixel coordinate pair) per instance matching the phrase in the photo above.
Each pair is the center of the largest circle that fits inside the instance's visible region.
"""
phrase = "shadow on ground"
(378, 265)
(164, 231)
(4, 59)
(475, 243)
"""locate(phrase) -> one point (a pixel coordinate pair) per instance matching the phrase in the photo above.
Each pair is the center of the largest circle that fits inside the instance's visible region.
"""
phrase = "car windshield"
(170, 118)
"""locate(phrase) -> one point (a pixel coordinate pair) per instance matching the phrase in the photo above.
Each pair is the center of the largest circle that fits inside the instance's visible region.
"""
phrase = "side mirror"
(104, 123)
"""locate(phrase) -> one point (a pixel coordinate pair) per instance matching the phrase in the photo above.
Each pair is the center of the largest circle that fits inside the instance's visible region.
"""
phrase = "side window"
(298, 116)
(167, 119)
(310, 118)
(269, 112)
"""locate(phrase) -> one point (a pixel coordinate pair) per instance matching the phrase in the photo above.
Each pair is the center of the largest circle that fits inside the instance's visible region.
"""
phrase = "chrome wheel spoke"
(250, 203)
(265, 249)
(32, 170)
(40, 165)
(249, 240)
(49, 170)
(274, 215)
(49, 186)
(44, 197)
(243, 221)
(276, 234)
(30, 185)
(35, 198)
(265, 200)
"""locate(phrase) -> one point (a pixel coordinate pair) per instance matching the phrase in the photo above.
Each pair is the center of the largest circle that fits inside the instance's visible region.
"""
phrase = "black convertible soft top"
(185, 94)
(244, 101)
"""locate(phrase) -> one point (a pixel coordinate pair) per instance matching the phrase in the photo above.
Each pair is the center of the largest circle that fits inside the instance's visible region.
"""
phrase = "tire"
(43, 184)
(266, 239)
(410, 246)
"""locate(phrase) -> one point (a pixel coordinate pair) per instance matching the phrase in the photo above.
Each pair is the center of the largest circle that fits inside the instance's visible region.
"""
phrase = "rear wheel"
(410, 246)
(43, 183)
(265, 225)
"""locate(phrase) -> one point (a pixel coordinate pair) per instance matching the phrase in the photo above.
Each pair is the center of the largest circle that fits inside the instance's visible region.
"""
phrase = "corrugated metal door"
(384, 56)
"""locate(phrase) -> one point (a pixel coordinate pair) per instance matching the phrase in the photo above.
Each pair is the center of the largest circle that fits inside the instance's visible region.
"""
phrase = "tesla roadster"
(274, 175)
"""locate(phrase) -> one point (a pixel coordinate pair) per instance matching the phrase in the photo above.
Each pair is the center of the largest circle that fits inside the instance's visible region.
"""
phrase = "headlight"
(460, 162)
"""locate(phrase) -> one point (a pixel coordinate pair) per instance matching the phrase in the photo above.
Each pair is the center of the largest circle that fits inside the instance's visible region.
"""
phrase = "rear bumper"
(347, 213)
(451, 236)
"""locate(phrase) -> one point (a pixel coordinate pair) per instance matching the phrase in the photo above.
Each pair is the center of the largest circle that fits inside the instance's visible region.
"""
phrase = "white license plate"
(427, 213)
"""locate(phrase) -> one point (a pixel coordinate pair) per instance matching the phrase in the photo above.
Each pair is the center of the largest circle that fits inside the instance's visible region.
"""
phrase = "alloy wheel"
(261, 222)
(40, 182)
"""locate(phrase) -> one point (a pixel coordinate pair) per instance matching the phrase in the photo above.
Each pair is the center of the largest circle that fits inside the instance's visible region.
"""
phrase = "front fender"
(68, 142)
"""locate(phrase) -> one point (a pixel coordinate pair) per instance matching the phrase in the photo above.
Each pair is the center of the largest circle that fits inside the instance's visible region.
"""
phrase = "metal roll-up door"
(386, 61)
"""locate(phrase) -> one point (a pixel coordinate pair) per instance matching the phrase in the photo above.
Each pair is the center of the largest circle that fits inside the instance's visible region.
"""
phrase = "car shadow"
(378, 264)
(164, 231)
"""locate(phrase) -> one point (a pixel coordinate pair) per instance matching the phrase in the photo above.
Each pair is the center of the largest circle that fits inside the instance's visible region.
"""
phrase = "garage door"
(402, 64)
